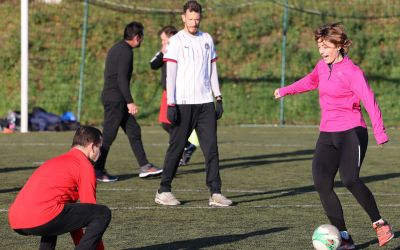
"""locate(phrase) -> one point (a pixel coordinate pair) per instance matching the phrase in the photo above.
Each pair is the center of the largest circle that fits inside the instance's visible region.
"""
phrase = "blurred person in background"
(119, 107)
(157, 62)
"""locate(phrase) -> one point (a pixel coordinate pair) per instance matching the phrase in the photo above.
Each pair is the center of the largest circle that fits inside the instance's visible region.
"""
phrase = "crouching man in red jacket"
(47, 205)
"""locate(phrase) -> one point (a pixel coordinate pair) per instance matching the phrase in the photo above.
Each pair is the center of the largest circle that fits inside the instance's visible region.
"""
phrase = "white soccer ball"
(326, 237)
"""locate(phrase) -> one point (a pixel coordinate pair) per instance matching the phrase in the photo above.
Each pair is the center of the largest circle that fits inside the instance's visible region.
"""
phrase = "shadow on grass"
(306, 189)
(368, 244)
(10, 190)
(210, 241)
(243, 162)
(256, 160)
(5, 170)
(122, 177)
(258, 157)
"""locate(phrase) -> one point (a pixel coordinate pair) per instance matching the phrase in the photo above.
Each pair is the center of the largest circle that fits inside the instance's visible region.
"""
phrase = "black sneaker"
(103, 176)
(347, 244)
(187, 154)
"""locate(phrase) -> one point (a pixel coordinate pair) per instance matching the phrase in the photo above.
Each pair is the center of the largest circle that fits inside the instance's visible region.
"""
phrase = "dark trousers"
(202, 118)
(95, 218)
(168, 128)
(116, 115)
(343, 152)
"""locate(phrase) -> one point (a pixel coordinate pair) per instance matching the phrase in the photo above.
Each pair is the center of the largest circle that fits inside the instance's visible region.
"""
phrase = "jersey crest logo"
(207, 46)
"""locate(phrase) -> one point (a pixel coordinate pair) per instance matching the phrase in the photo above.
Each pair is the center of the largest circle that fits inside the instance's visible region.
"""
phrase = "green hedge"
(248, 41)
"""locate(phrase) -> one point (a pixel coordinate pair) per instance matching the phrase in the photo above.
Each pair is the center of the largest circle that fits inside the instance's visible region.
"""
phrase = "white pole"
(24, 65)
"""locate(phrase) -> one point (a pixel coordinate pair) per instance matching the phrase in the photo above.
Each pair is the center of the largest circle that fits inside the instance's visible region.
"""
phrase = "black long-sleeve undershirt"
(156, 63)
(118, 73)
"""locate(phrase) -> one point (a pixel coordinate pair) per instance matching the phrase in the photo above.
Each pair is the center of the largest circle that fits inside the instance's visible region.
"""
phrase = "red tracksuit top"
(64, 179)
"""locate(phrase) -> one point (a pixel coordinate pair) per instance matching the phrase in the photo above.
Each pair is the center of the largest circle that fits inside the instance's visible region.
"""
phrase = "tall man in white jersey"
(192, 79)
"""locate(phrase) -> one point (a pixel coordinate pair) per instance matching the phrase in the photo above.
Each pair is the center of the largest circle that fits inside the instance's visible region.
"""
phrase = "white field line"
(236, 191)
(275, 126)
(312, 145)
(3, 210)
(290, 126)
(266, 192)
(237, 206)
(158, 207)
(221, 144)
(34, 144)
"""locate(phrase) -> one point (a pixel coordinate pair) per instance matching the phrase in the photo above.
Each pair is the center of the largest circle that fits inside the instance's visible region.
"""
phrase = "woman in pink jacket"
(343, 138)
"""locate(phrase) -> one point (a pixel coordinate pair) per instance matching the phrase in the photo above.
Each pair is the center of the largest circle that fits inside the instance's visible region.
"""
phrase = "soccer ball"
(326, 237)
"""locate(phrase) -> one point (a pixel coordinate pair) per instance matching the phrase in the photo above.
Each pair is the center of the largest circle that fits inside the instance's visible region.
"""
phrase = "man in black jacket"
(119, 107)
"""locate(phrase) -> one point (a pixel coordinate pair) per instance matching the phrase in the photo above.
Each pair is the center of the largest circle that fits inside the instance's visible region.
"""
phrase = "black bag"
(42, 120)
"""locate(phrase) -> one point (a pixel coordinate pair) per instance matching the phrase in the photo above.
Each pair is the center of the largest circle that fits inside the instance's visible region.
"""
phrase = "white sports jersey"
(193, 55)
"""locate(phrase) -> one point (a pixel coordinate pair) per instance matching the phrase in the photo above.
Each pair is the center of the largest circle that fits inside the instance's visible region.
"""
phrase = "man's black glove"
(172, 114)
(219, 109)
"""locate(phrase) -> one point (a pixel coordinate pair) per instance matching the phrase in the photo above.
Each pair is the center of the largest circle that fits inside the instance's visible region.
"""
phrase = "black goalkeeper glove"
(219, 110)
(172, 114)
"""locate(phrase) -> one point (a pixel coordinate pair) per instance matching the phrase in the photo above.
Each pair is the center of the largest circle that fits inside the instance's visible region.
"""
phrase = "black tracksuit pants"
(202, 118)
(343, 152)
(95, 218)
(116, 115)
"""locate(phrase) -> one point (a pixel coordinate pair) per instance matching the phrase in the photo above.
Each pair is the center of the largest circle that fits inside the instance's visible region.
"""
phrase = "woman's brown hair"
(334, 33)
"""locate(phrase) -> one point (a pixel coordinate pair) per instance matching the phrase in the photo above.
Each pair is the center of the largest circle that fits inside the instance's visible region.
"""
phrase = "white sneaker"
(218, 200)
(166, 198)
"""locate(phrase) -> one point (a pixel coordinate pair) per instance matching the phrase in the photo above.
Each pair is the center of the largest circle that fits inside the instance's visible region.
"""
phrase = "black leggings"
(343, 151)
(95, 218)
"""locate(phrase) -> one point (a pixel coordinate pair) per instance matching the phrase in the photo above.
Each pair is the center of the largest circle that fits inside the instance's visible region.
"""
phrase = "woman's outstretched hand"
(276, 94)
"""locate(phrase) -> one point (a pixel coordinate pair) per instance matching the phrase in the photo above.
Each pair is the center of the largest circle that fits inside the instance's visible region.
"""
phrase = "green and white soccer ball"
(326, 237)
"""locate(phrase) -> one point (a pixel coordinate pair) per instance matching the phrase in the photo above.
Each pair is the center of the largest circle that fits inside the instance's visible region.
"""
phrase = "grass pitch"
(265, 170)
